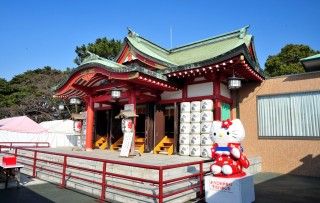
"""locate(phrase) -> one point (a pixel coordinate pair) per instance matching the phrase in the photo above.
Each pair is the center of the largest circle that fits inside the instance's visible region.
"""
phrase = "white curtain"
(289, 115)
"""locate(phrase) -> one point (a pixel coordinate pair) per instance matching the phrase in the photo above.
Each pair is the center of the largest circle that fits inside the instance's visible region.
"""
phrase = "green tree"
(30, 93)
(102, 47)
(287, 61)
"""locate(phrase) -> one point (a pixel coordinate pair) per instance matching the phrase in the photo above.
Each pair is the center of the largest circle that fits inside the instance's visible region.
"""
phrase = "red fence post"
(16, 152)
(36, 144)
(103, 181)
(201, 179)
(64, 168)
(0, 148)
(10, 145)
(34, 164)
(160, 184)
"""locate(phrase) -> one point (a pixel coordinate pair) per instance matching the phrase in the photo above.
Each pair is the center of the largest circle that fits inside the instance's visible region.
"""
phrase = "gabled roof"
(311, 63)
(191, 53)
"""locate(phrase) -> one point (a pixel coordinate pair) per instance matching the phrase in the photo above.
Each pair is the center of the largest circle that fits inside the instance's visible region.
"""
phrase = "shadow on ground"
(276, 188)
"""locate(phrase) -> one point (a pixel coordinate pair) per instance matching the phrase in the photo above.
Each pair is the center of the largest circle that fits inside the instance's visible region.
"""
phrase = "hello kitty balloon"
(227, 151)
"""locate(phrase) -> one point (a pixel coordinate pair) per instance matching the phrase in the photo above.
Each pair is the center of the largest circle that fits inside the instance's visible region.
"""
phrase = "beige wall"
(280, 155)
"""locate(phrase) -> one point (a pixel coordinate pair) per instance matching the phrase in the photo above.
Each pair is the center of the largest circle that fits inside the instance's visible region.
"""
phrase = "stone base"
(233, 190)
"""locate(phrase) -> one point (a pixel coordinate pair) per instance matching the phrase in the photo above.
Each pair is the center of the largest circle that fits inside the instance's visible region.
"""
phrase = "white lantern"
(234, 83)
(75, 100)
(115, 93)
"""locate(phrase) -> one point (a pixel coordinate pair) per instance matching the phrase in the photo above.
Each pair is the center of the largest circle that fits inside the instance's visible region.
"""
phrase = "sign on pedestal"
(229, 190)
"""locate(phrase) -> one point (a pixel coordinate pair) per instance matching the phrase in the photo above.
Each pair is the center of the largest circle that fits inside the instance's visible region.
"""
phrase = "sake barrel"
(205, 139)
(206, 116)
(195, 106)
(184, 150)
(207, 105)
(205, 127)
(205, 151)
(194, 150)
(184, 139)
(195, 117)
(195, 128)
(185, 117)
(195, 139)
(185, 107)
(184, 128)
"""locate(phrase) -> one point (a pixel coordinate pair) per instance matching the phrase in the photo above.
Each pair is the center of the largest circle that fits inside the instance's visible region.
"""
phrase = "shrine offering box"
(9, 160)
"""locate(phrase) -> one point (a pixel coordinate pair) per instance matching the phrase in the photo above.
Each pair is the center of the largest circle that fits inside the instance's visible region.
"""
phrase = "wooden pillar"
(217, 102)
(90, 122)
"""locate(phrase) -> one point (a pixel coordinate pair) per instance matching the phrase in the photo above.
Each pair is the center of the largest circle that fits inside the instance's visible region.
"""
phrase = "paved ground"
(269, 187)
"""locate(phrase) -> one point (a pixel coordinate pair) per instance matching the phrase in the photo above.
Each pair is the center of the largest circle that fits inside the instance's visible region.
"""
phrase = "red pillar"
(217, 102)
(90, 123)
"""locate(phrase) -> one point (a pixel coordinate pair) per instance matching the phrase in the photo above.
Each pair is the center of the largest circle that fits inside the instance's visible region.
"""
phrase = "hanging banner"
(127, 129)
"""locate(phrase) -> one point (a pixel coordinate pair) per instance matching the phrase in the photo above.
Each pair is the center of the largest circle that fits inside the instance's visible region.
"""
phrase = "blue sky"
(37, 33)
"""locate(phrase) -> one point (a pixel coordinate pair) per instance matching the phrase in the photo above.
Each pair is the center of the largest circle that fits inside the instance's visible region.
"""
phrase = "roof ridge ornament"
(132, 33)
(243, 32)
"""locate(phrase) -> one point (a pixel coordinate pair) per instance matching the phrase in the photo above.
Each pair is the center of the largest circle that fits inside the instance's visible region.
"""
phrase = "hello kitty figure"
(227, 152)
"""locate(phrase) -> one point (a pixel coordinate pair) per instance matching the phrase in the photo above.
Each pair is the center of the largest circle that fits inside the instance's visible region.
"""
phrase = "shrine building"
(157, 81)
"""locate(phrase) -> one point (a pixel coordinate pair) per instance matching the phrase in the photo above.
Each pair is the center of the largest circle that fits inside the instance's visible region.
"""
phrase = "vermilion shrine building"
(156, 80)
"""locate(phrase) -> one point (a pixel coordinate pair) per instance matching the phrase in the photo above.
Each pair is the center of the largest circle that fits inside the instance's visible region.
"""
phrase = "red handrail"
(26, 144)
(104, 185)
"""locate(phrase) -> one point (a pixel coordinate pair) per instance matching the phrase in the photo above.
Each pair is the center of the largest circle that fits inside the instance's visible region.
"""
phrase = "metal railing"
(160, 183)
(9, 145)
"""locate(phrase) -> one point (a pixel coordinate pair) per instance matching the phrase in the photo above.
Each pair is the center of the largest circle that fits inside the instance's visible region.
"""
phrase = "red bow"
(226, 124)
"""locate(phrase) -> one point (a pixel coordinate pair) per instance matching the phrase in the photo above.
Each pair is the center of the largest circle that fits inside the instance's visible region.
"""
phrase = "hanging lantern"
(234, 83)
(115, 93)
(74, 100)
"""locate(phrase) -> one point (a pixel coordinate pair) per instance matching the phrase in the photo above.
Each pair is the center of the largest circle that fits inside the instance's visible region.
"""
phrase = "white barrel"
(185, 107)
(206, 116)
(207, 105)
(185, 117)
(195, 139)
(184, 150)
(205, 127)
(184, 128)
(195, 117)
(195, 106)
(195, 128)
(184, 139)
(205, 151)
(205, 139)
(194, 150)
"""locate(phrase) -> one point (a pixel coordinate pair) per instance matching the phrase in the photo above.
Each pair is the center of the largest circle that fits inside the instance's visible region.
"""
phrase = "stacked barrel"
(184, 138)
(195, 128)
(206, 119)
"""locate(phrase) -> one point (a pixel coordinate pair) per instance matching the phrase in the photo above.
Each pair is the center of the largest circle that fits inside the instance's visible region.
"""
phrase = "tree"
(288, 60)
(102, 47)
(30, 93)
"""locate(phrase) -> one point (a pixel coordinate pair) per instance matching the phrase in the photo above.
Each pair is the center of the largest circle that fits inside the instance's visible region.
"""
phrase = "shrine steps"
(165, 146)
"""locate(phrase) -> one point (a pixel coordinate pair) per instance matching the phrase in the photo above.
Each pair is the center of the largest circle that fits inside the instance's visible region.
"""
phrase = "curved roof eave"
(242, 49)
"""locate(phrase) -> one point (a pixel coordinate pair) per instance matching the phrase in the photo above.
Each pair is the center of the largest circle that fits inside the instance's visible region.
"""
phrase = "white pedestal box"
(185, 117)
(194, 150)
(184, 128)
(195, 106)
(195, 139)
(195, 117)
(205, 139)
(207, 105)
(195, 128)
(185, 107)
(205, 151)
(206, 116)
(184, 139)
(206, 127)
(184, 150)
(229, 190)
